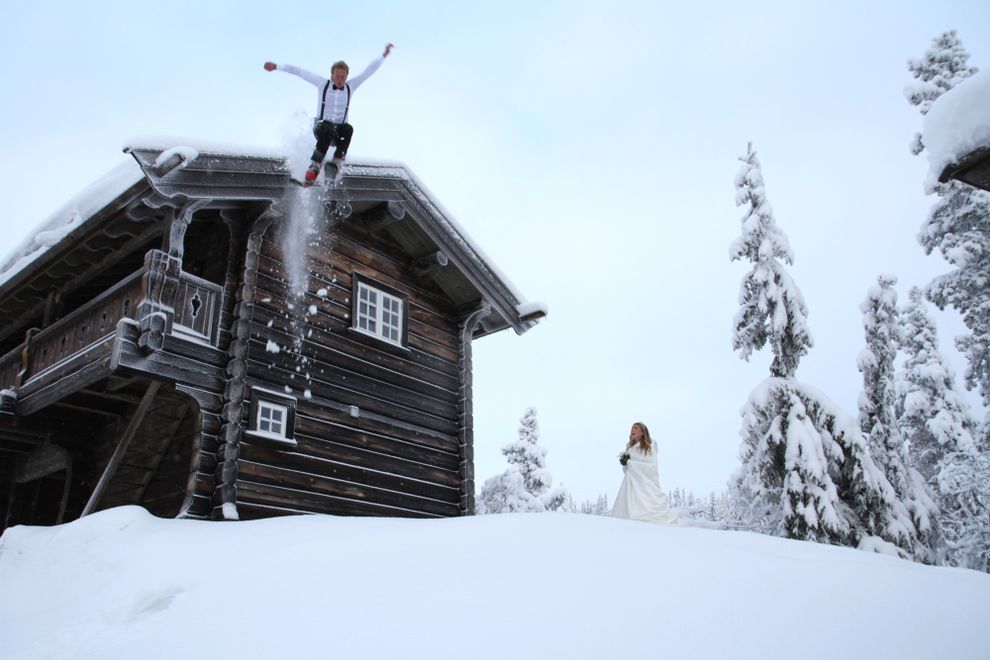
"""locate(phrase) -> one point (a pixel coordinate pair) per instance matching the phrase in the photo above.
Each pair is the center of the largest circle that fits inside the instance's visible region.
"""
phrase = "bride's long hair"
(646, 442)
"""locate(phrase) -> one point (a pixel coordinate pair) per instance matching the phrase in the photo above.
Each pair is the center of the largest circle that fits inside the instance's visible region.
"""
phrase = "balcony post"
(156, 309)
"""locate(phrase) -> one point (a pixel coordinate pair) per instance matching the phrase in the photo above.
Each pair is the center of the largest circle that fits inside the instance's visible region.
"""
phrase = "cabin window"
(379, 313)
(272, 418)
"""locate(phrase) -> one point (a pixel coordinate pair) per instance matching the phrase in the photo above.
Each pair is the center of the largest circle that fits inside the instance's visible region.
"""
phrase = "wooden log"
(365, 378)
(338, 347)
(263, 374)
(274, 294)
(57, 383)
(326, 456)
(253, 493)
(336, 333)
(323, 423)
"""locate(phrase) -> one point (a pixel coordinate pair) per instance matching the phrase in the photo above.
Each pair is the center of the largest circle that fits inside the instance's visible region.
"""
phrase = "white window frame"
(260, 422)
(379, 314)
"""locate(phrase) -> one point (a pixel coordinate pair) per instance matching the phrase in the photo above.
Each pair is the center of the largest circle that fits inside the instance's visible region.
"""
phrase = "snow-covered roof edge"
(70, 216)
(357, 165)
(957, 124)
(521, 306)
(75, 213)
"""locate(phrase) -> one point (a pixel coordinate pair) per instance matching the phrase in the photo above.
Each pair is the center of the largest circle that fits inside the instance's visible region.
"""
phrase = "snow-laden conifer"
(527, 485)
(936, 423)
(771, 308)
(963, 487)
(919, 537)
(942, 67)
(795, 442)
(958, 224)
(933, 417)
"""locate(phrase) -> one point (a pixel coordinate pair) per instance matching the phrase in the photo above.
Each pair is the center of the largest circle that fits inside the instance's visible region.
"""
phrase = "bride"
(640, 497)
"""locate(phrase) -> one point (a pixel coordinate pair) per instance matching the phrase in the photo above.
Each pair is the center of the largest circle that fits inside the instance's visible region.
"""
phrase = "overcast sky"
(589, 148)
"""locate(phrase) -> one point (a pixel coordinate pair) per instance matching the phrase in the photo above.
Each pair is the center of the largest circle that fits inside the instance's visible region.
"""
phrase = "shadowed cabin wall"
(399, 454)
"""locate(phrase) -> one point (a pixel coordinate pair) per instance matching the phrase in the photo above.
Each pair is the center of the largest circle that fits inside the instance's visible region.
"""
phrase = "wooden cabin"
(169, 341)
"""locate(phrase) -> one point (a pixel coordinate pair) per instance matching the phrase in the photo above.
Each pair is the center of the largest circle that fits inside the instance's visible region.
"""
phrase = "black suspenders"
(323, 103)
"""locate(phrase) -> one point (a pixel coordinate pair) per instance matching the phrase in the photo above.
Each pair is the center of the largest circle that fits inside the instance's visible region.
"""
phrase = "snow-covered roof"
(957, 124)
(72, 215)
(174, 170)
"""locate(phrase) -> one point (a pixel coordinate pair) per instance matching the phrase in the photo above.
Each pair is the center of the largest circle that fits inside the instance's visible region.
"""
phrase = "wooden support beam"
(121, 449)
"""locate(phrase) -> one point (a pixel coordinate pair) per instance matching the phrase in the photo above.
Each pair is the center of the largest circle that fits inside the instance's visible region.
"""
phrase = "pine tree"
(935, 421)
(526, 485)
(598, 507)
(958, 224)
(506, 493)
(783, 485)
(919, 536)
(963, 486)
(942, 67)
(806, 471)
(771, 306)
(933, 418)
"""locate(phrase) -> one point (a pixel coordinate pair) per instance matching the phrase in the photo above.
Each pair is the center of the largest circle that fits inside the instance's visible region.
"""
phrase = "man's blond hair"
(340, 65)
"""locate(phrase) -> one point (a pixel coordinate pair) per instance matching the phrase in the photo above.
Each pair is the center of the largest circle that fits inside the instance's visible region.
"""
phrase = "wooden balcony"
(155, 305)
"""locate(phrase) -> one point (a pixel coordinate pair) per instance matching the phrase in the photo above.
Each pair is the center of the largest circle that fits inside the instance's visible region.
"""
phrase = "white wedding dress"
(640, 497)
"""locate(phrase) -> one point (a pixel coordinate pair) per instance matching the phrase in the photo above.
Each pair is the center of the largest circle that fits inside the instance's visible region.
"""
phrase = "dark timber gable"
(159, 355)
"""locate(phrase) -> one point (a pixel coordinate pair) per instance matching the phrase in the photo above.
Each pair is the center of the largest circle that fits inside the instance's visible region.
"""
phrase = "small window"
(379, 314)
(272, 418)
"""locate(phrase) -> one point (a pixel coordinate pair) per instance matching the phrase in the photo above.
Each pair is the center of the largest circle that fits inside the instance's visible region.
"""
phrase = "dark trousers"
(328, 133)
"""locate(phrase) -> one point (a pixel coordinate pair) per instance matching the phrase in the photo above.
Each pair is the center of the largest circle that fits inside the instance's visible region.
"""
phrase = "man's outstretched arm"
(308, 76)
(357, 80)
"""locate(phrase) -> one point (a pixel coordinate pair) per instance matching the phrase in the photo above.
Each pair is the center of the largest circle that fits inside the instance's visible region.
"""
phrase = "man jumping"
(334, 101)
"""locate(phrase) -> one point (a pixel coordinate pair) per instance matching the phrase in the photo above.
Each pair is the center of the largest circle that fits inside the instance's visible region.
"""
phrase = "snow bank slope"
(121, 584)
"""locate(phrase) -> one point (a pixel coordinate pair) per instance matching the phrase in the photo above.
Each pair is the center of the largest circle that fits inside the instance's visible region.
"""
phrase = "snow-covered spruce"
(942, 67)
(805, 470)
(783, 485)
(958, 224)
(934, 419)
(526, 485)
(772, 309)
(919, 535)
(936, 423)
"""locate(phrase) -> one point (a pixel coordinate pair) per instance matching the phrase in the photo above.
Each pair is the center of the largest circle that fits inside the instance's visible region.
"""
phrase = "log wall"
(399, 455)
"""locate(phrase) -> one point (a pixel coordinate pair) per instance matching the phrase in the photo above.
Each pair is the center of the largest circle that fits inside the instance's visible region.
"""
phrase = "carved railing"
(174, 302)
(162, 298)
(94, 321)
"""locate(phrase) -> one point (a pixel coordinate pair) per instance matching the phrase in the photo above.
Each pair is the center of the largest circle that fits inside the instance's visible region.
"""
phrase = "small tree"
(919, 536)
(598, 507)
(526, 485)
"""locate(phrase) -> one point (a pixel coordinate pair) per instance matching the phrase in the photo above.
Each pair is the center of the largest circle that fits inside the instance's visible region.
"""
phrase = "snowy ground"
(122, 584)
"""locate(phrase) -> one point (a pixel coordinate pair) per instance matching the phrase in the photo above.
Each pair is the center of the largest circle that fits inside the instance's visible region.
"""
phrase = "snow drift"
(122, 584)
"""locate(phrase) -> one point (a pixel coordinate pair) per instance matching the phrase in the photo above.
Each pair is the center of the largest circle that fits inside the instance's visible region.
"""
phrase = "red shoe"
(311, 174)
